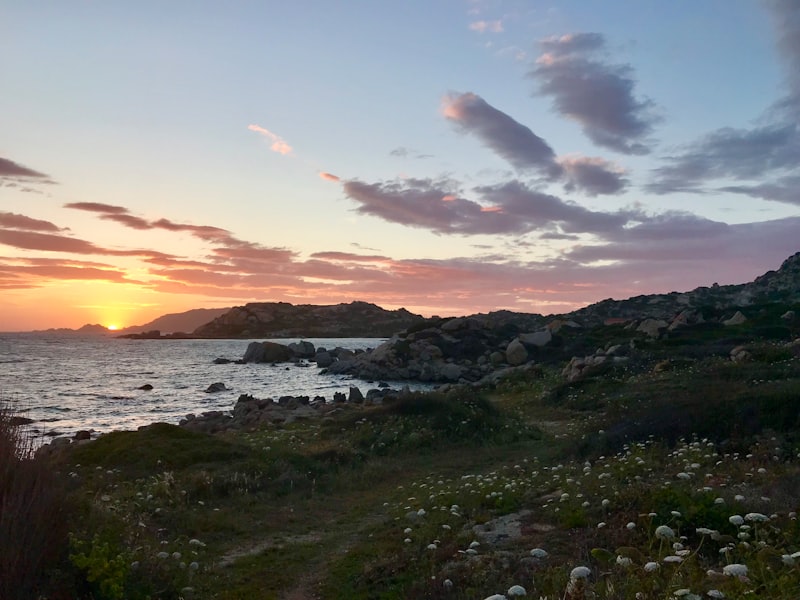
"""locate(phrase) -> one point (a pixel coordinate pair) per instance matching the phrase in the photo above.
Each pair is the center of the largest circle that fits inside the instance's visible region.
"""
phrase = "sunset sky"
(446, 156)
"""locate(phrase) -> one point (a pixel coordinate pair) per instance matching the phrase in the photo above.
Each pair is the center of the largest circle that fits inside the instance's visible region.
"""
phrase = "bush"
(33, 536)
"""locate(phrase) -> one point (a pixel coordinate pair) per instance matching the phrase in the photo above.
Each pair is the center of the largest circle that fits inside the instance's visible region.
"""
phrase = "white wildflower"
(735, 570)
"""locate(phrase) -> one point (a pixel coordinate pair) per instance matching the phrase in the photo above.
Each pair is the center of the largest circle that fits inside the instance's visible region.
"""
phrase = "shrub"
(33, 536)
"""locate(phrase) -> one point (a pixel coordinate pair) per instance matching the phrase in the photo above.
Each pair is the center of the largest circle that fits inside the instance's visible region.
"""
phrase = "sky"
(446, 156)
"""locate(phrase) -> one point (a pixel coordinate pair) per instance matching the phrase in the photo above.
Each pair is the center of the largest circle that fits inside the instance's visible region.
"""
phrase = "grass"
(446, 495)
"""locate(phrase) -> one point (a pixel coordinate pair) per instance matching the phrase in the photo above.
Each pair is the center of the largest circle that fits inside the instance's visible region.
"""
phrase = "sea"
(66, 382)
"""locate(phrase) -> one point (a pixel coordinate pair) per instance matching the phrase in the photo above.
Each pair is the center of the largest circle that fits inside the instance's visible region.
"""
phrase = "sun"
(112, 327)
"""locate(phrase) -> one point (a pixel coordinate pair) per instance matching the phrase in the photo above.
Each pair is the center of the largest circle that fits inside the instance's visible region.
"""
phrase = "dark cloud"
(98, 207)
(513, 141)
(17, 221)
(679, 239)
(786, 189)
(729, 153)
(8, 168)
(517, 144)
(598, 95)
(593, 176)
(510, 208)
(32, 240)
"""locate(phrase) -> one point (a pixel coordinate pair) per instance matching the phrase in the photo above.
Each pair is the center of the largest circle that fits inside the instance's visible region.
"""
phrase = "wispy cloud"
(328, 176)
(495, 26)
(278, 144)
(16, 221)
(598, 95)
(8, 168)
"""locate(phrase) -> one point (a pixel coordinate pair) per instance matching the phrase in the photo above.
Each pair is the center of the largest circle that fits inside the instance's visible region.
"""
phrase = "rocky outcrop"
(461, 350)
(250, 413)
(273, 352)
(283, 320)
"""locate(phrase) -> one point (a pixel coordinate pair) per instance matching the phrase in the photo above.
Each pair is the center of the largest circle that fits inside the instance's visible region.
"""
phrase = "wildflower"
(579, 573)
(704, 531)
(433, 547)
(624, 561)
(447, 585)
(756, 517)
(715, 594)
(675, 513)
(194, 566)
(162, 555)
(195, 542)
(539, 553)
(665, 532)
(516, 590)
(651, 566)
(735, 570)
(673, 559)
(631, 525)
(736, 520)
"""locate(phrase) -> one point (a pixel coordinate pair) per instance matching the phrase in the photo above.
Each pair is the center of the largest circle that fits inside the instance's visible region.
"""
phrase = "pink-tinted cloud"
(98, 207)
(278, 144)
(17, 221)
(487, 26)
(328, 176)
(598, 95)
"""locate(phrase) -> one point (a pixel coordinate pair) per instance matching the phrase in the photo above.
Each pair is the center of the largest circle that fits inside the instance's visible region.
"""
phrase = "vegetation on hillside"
(674, 474)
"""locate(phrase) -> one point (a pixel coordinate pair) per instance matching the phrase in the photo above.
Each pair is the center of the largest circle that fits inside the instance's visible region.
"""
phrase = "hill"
(283, 320)
(175, 322)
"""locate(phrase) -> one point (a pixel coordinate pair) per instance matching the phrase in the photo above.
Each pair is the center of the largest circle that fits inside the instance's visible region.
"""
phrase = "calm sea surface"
(67, 383)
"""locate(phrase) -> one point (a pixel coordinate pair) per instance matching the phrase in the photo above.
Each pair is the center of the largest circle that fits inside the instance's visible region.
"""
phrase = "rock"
(302, 349)
(16, 421)
(516, 354)
(497, 358)
(269, 352)
(736, 319)
(146, 387)
(652, 327)
(739, 354)
(339, 397)
(355, 395)
(222, 361)
(788, 315)
(82, 435)
(451, 372)
(216, 387)
(538, 338)
(324, 359)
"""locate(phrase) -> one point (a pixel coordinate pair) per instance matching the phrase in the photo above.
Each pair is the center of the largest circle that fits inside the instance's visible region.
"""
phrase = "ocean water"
(67, 383)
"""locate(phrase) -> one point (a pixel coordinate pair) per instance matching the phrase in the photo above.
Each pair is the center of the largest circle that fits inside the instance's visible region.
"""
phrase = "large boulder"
(303, 349)
(451, 372)
(516, 354)
(652, 327)
(538, 338)
(324, 359)
(736, 319)
(267, 352)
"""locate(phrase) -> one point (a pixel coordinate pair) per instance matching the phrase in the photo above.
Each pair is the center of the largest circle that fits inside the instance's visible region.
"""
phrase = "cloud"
(33, 240)
(729, 153)
(510, 208)
(513, 141)
(17, 221)
(598, 95)
(328, 176)
(592, 175)
(279, 145)
(8, 168)
(785, 189)
(487, 26)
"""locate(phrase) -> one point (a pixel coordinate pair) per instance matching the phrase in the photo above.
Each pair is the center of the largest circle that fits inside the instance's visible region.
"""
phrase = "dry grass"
(33, 535)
